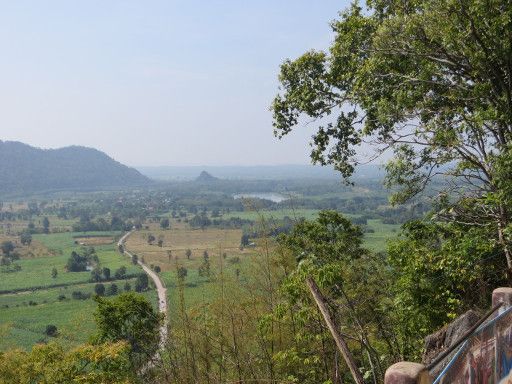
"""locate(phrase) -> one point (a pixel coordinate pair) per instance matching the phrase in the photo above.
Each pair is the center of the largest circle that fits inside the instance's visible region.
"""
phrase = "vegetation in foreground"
(126, 339)
(56, 286)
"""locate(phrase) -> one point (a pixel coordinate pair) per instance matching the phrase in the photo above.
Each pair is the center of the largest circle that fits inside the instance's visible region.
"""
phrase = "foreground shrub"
(50, 363)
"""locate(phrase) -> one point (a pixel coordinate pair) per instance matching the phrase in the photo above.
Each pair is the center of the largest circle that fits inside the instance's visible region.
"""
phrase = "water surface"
(272, 196)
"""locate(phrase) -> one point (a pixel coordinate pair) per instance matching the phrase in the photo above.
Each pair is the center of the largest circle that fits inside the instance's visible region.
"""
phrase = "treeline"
(86, 224)
(200, 205)
(203, 221)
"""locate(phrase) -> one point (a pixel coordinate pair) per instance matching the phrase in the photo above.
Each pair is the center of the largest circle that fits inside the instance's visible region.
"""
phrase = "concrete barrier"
(502, 295)
(407, 373)
(495, 333)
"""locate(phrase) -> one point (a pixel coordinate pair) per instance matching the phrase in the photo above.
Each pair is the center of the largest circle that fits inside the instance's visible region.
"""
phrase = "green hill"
(25, 169)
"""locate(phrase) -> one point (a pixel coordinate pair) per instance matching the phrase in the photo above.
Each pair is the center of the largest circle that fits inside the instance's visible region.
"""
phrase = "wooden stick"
(342, 345)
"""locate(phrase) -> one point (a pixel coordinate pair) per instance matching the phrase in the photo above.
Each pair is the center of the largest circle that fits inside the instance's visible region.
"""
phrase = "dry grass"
(35, 249)
(180, 238)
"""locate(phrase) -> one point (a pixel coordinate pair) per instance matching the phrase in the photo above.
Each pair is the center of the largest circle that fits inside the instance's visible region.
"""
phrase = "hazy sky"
(155, 82)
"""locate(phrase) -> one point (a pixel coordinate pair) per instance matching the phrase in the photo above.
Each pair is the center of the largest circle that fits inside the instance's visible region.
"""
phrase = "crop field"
(23, 325)
(224, 253)
(180, 238)
(65, 242)
(31, 298)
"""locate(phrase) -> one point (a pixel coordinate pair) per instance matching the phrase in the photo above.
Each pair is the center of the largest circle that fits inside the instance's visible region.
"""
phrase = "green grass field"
(25, 315)
(65, 242)
(375, 241)
(198, 289)
(23, 326)
(36, 272)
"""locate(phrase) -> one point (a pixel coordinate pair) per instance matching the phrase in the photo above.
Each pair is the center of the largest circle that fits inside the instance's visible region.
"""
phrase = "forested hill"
(25, 169)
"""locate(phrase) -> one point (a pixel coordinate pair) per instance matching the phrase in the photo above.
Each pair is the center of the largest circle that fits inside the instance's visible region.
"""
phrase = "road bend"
(160, 288)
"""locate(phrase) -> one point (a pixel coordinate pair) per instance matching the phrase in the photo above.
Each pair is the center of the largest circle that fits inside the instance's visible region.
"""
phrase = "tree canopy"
(128, 317)
(430, 81)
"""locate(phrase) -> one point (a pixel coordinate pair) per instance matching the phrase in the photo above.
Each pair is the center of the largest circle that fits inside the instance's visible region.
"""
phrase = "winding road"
(160, 288)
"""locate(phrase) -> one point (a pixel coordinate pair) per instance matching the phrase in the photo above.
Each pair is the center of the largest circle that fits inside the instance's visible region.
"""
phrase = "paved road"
(160, 288)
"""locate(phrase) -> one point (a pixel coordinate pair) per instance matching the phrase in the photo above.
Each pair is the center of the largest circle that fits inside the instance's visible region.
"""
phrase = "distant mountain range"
(25, 169)
(258, 172)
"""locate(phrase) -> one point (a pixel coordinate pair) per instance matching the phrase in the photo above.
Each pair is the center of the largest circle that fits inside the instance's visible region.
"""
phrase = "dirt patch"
(92, 241)
(35, 249)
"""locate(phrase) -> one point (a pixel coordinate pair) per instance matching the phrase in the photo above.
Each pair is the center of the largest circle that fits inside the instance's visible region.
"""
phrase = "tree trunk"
(342, 345)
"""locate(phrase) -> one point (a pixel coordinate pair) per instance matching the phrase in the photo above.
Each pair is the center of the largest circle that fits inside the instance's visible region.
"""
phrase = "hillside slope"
(26, 169)
(205, 177)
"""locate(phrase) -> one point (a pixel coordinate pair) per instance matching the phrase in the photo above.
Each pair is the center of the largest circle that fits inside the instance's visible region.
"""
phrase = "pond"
(272, 196)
